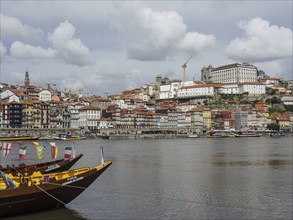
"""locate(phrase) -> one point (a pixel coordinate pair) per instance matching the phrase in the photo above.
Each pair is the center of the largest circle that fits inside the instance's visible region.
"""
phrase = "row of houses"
(199, 119)
(39, 114)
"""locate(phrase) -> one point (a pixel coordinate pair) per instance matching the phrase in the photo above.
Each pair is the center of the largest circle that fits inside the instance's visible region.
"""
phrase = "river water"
(224, 178)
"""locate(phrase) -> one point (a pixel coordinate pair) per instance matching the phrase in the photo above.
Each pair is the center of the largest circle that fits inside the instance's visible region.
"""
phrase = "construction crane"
(184, 67)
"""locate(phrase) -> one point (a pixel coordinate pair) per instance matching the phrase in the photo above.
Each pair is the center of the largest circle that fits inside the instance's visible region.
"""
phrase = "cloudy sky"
(110, 46)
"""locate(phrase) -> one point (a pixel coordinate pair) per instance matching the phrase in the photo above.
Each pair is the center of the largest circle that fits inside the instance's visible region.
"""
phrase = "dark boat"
(247, 134)
(219, 135)
(46, 192)
(19, 138)
(46, 167)
(103, 136)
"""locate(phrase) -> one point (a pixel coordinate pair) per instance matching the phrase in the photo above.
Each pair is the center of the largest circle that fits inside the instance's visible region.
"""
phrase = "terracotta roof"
(199, 82)
(233, 65)
(201, 86)
(270, 78)
(251, 83)
(20, 93)
(87, 107)
(199, 109)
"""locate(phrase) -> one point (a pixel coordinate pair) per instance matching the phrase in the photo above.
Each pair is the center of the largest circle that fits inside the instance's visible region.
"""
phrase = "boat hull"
(47, 167)
(51, 195)
(248, 135)
(69, 138)
(20, 138)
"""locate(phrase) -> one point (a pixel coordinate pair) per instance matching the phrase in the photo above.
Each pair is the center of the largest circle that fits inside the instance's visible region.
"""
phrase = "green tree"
(275, 100)
(273, 92)
(246, 93)
(276, 110)
(273, 126)
(269, 101)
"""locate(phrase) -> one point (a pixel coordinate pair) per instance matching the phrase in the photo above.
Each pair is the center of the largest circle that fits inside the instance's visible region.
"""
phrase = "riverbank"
(127, 134)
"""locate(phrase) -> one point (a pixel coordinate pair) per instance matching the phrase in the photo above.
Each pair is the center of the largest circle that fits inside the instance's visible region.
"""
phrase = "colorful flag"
(22, 150)
(20, 142)
(39, 150)
(43, 144)
(35, 143)
(68, 152)
(6, 148)
(54, 150)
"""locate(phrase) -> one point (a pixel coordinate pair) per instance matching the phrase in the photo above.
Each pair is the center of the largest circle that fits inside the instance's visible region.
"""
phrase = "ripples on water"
(254, 163)
(238, 178)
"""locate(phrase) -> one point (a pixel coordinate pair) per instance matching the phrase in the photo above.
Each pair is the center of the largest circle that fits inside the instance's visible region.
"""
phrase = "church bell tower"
(26, 79)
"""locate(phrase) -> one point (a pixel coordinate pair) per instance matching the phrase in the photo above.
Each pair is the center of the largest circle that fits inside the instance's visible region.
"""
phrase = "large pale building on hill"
(231, 73)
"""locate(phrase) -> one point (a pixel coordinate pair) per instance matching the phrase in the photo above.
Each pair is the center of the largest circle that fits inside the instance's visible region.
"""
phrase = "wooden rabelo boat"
(46, 167)
(45, 191)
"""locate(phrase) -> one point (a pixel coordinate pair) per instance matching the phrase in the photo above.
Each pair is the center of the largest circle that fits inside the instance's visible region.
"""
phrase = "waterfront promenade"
(118, 133)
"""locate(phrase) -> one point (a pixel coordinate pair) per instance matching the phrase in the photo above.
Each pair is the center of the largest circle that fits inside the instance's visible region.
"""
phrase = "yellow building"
(284, 121)
(27, 114)
(200, 118)
(207, 115)
(279, 88)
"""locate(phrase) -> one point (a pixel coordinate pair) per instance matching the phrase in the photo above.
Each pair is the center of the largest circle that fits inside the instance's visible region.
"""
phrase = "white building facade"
(45, 95)
(253, 88)
(89, 117)
(195, 91)
(229, 88)
(172, 90)
(234, 73)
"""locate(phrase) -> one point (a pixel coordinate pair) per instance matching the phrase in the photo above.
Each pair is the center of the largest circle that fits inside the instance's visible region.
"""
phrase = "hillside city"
(230, 97)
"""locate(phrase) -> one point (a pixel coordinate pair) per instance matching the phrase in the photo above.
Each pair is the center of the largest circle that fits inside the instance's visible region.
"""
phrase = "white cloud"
(162, 28)
(65, 47)
(278, 68)
(26, 51)
(194, 42)
(13, 28)
(68, 48)
(262, 42)
(157, 35)
(3, 50)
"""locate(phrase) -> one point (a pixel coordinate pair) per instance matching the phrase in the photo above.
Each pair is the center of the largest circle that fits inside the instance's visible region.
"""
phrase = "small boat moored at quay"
(247, 134)
(219, 135)
(69, 137)
(19, 138)
(276, 135)
(193, 135)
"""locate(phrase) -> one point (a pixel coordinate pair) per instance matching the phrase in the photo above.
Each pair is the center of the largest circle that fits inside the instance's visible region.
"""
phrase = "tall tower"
(26, 79)
(206, 74)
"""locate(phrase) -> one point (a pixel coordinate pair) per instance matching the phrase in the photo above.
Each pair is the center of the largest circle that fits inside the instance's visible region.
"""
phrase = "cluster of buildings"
(230, 97)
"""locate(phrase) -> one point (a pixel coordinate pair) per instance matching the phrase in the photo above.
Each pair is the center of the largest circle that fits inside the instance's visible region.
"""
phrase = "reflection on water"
(253, 163)
(56, 214)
